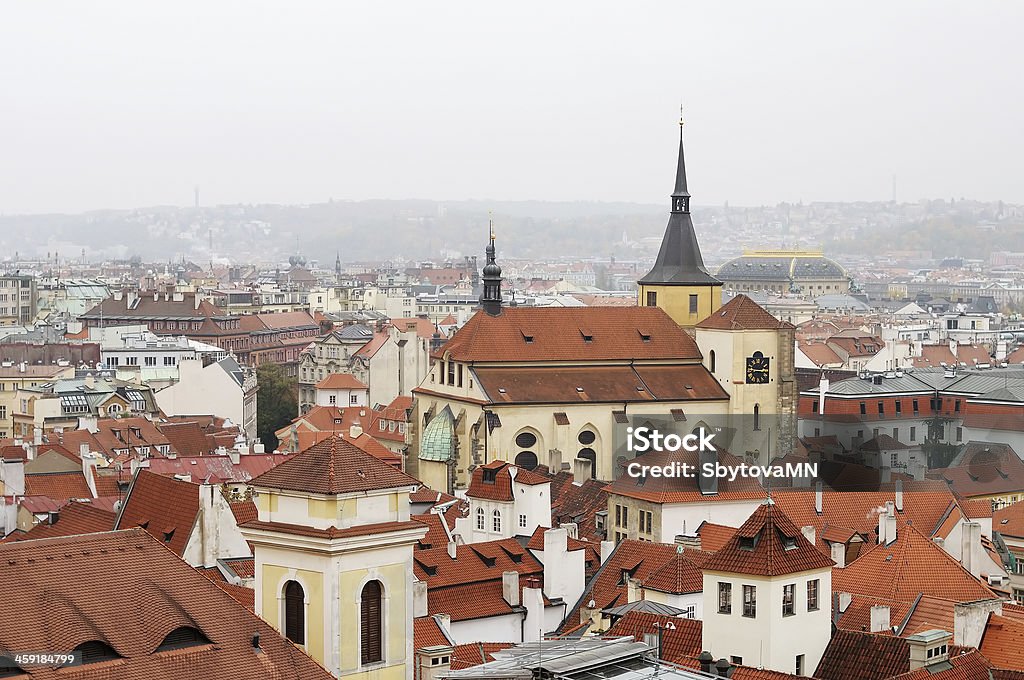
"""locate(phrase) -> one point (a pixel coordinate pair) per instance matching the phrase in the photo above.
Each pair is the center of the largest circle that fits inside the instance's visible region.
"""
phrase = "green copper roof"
(438, 440)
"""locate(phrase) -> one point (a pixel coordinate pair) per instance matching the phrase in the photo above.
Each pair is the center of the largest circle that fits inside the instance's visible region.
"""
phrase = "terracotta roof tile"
(60, 486)
(473, 563)
(678, 644)
(153, 593)
(767, 544)
(332, 533)
(856, 655)
(909, 566)
(1009, 520)
(857, 616)
(165, 507)
(558, 333)
(1003, 641)
(476, 653)
(72, 519)
(714, 536)
(244, 511)
(680, 575)
(966, 665)
(742, 313)
(427, 632)
(334, 466)
(927, 613)
(340, 381)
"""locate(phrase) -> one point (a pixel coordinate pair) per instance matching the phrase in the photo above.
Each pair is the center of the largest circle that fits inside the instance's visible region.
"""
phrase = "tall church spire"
(679, 282)
(490, 297)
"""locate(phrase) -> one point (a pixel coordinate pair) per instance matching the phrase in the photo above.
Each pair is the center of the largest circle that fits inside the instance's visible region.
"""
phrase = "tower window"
(370, 615)
(295, 613)
(711, 361)
(652, 298)
(693, 304)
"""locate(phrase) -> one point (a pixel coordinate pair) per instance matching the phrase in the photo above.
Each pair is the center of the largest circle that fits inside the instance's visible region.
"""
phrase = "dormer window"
(96, 651)
(788, 542)
(185, 636)
(490, 475)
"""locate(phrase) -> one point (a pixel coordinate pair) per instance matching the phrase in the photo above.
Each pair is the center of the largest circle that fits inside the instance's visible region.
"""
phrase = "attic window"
(490, 475)
(644, 335)
(527, 337)
(428, 569)
(168, 534)
(749, 542)
(588, 336)
(788, 542)
(96, 651)
(579, 389)
(185, 636)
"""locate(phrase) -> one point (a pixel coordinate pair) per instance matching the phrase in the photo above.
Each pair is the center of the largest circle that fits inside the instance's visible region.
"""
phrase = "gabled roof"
(679, 576)
(742, 314)
(681, 641)
(126, 590)
(525, 334)
(911, 565)
(60, 486)
(501, 475)
(857, 655)
(767, 544)
(164, 506)
(334, 466)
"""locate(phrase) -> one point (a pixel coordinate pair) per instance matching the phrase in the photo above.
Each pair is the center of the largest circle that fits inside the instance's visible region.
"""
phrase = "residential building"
(17, 378)
(18, 299)
(222, 388)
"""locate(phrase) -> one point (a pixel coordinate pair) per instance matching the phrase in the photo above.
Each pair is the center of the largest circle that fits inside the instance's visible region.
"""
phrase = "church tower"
(490, 298)
(333, 550)
(679, 283)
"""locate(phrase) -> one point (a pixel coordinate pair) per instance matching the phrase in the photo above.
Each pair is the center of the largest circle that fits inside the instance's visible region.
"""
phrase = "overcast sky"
(129, 104)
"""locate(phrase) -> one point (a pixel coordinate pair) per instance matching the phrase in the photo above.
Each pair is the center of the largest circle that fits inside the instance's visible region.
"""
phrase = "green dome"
(438, 440)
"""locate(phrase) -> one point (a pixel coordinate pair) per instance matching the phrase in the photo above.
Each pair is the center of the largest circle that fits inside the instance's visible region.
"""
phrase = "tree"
(276, 405)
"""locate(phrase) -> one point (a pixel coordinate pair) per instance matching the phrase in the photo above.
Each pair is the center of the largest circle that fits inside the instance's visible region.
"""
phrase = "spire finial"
(490, 223)
(680, 115)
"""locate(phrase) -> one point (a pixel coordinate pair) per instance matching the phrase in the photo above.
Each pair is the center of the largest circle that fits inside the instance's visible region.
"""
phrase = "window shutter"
(370, 623)
(294, 613)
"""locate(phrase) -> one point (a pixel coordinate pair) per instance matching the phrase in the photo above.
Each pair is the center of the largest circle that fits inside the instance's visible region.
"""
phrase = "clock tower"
(679, 282)
(750, 353)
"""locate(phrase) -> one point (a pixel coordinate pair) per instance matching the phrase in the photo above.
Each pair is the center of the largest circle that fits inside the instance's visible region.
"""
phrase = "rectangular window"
(332, 400)
(724, 598)
(881, 408)
(863, 408)
(459, 375)
(896, 433)
(814, 406)
(151, 361)
(899, 407)
(913, 434)
(894, 459)
(522, 521)
(959, 434)
(915, 407)
(618, 515)
(353, 399)
(652, 298)
(750, 602)
(736, 660)
(169, 361)
(812, 595)
(799, 664)
(956, 406)
(693, 304)
(451, 373)
(625, 517)
(788, 591)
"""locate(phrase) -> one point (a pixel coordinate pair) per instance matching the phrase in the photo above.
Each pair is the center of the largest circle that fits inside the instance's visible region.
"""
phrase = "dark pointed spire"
(490, 297)
(679, 260)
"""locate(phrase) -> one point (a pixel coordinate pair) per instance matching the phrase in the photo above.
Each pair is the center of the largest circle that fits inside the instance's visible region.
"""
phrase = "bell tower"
(679, 282)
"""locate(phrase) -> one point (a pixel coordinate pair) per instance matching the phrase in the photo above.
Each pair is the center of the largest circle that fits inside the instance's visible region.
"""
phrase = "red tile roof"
(856, 655)
(616, 384)
(1003, 641)
(334, 466)
(985, 468)
(678, 644)
(820, 353)
(742, 313)
(340, 381)
(967, 665)
(1009, 520)
(926, 613)
(524, 334)
(473, 563)
(909, 566)
(138, 592)
(500, 489)
(427, 632)
(714, 536)
(678, 576)
(857, 616)
(767, 544)
(60, 486)
(244, 511)
(72, 519)
(165, 507)
(476, 653)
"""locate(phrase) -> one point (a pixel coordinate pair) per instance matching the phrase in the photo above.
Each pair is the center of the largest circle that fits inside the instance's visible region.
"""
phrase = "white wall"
(686, 517)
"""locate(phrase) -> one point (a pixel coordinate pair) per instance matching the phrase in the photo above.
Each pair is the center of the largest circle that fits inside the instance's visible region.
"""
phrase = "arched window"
(181, 637)
(95, 651)
(496, 521)
(591, 455)
(480, 519)
(370, 623)
(711, 361)
(527, 460)
(757, 416)
(295, 613)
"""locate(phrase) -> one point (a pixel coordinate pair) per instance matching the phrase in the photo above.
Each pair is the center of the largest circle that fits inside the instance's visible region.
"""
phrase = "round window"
(525, 440)
(586, 437)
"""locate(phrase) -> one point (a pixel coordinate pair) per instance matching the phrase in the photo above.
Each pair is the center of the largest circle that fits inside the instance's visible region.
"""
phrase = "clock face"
(757, 369)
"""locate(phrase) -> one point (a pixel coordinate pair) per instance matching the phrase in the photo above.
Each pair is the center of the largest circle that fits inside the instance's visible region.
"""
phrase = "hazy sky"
(130, 104)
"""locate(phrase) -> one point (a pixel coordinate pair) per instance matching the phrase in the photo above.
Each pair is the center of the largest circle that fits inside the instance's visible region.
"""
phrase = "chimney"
(258, 447)
(419, 598)
(355, 431)
(882, 524)
(723, 668)
(879, 618)
(844, 601)
(929, 648)
(208, 512)
(706, 661)
(510, 587)
(83, 450)
(970, 620)
(890, 528)
(817, 497)
(970, 547)
(554, 461)
(452, 549)
(582, 470)
(571, 528)
(633, 590)
(607, 548)
(839, 554)
(822, 391)
(899, 495)
(809, 533)
(688, 541)
(235, 456)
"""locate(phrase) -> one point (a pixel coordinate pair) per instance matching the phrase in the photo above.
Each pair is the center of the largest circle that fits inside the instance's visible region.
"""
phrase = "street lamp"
(661, 628)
